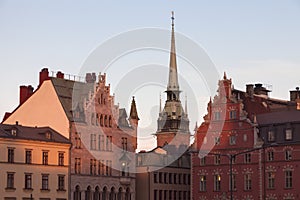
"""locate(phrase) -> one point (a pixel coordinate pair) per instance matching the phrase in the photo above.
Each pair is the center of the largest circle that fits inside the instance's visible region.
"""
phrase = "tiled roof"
(32, 133)
(279, 117)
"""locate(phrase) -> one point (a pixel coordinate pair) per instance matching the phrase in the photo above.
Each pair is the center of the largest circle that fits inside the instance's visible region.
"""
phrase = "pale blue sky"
(253, 41)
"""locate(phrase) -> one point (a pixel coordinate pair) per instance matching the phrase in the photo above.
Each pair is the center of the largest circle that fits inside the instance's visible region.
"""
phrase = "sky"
(253, 41)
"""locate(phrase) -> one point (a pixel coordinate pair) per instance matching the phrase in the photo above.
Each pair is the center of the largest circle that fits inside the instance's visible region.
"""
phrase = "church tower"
(173, 122)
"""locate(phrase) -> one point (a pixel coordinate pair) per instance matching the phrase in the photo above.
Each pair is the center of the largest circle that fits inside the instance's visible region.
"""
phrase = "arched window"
(97, 193)
(104, 193)
(77, 193)
(88, 193)
(127, 194)
(112, 195)
(119, 196)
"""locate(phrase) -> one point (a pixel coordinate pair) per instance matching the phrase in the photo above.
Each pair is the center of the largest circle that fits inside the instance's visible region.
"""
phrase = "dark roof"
(32, 133)
(279, 117)
(71, 94)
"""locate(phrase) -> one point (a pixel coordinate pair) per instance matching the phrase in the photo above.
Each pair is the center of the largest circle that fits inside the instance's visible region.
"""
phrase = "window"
(202, 161)
(289, 179)
(288, 134)
(28, 156)
(108, 167)
(270, 155)
(184, 179)
(28, 181)
(93, 164)
(175, 178)
(155, 194)
(10, 180)
(101, 142)
(48, 135)
(97, 119)
(155, 178)
(271, 136)
(247, 181)
(217, 182)
(61, 158)
(271, 180)
(101, 168)
(245, 137)
(232, 140)
(11, 155)
(61, 182)
(108, 143)
(165, 177)
(217, 159)
(93, 119)
(247, 158)
(232, 114)
(170, 178)
(101, 120)
(202, 183)
(93, 141)
(77, 165)
(170, 195)
(233, 182)
(45, 157)
(160, 177)
(124, 143)
(77, 140)
(179, 178)
(288, 155)
(45, 182)
(217, 140)
(217, 116)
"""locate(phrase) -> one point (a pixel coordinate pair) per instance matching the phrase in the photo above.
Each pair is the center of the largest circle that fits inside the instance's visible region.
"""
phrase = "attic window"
(48, 135)
(14, 132)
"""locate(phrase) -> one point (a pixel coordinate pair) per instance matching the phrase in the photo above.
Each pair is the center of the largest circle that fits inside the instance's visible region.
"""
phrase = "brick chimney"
(59, 74)
(44, 75)
(295, 94)
(250, 90)
(25, 93)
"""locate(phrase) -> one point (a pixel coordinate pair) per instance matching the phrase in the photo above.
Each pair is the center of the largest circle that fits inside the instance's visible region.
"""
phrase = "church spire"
(173, 77)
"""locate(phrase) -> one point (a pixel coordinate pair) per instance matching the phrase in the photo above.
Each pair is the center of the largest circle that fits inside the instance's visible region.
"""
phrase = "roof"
(32, 133)
(279, 117)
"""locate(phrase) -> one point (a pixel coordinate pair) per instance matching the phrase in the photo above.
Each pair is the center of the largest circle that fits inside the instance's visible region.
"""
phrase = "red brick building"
(230, 132)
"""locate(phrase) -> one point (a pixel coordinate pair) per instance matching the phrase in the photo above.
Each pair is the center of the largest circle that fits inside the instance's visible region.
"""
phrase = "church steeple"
(173, 76)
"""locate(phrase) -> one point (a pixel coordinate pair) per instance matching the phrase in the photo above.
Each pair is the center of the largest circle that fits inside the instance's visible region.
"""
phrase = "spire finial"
(173, 18)
(159, 102)
(186, 111)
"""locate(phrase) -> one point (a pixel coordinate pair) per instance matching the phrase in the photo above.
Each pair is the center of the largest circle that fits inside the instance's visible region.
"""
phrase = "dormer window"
(288, 134)
(271, 136)
(14, 132)
(48, 135)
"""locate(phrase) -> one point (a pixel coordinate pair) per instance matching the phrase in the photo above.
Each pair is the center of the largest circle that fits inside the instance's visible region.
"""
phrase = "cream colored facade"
(36, 169)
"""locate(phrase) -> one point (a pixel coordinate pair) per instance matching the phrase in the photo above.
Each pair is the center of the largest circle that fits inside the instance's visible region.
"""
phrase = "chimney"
(44, 75)
(59, 74)
(260, 90)
(250, 90)
(25, 93)
(90, 78)
(295, 94)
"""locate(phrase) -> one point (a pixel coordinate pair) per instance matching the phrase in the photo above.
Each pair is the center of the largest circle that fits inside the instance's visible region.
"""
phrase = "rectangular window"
(217, 140)
(124, 143)
(10, 155)
(175, 179)
(270, 155)
(288, 179)
(77, 140)
(217, 182)
(179, 178)
(160, 177)
(93, 141)
(170, 195)
(203, 183)
(61, 158)
(247, 182)
(202, 161)
(288, 155)
(247, 158)
(155, 178)
(108, 167)
(232, 114)
(28, 181)
(170, 178)
(45, 157)
(108, 143)
(217, 159)
(45, 182)
(165, 178)
(288, 134)
(101, 143)
(61, 182)
(10, 180)
(102, 167)
(77, 165)
(233, 182)
(271, 136)
(184, 179)
(232, 140)
(217, 116)
(28, 156)
(271, 180)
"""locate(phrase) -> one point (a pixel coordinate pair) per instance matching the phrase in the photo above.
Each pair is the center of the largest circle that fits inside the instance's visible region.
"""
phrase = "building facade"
(103, 136)
(34, 163)
(228, 153)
